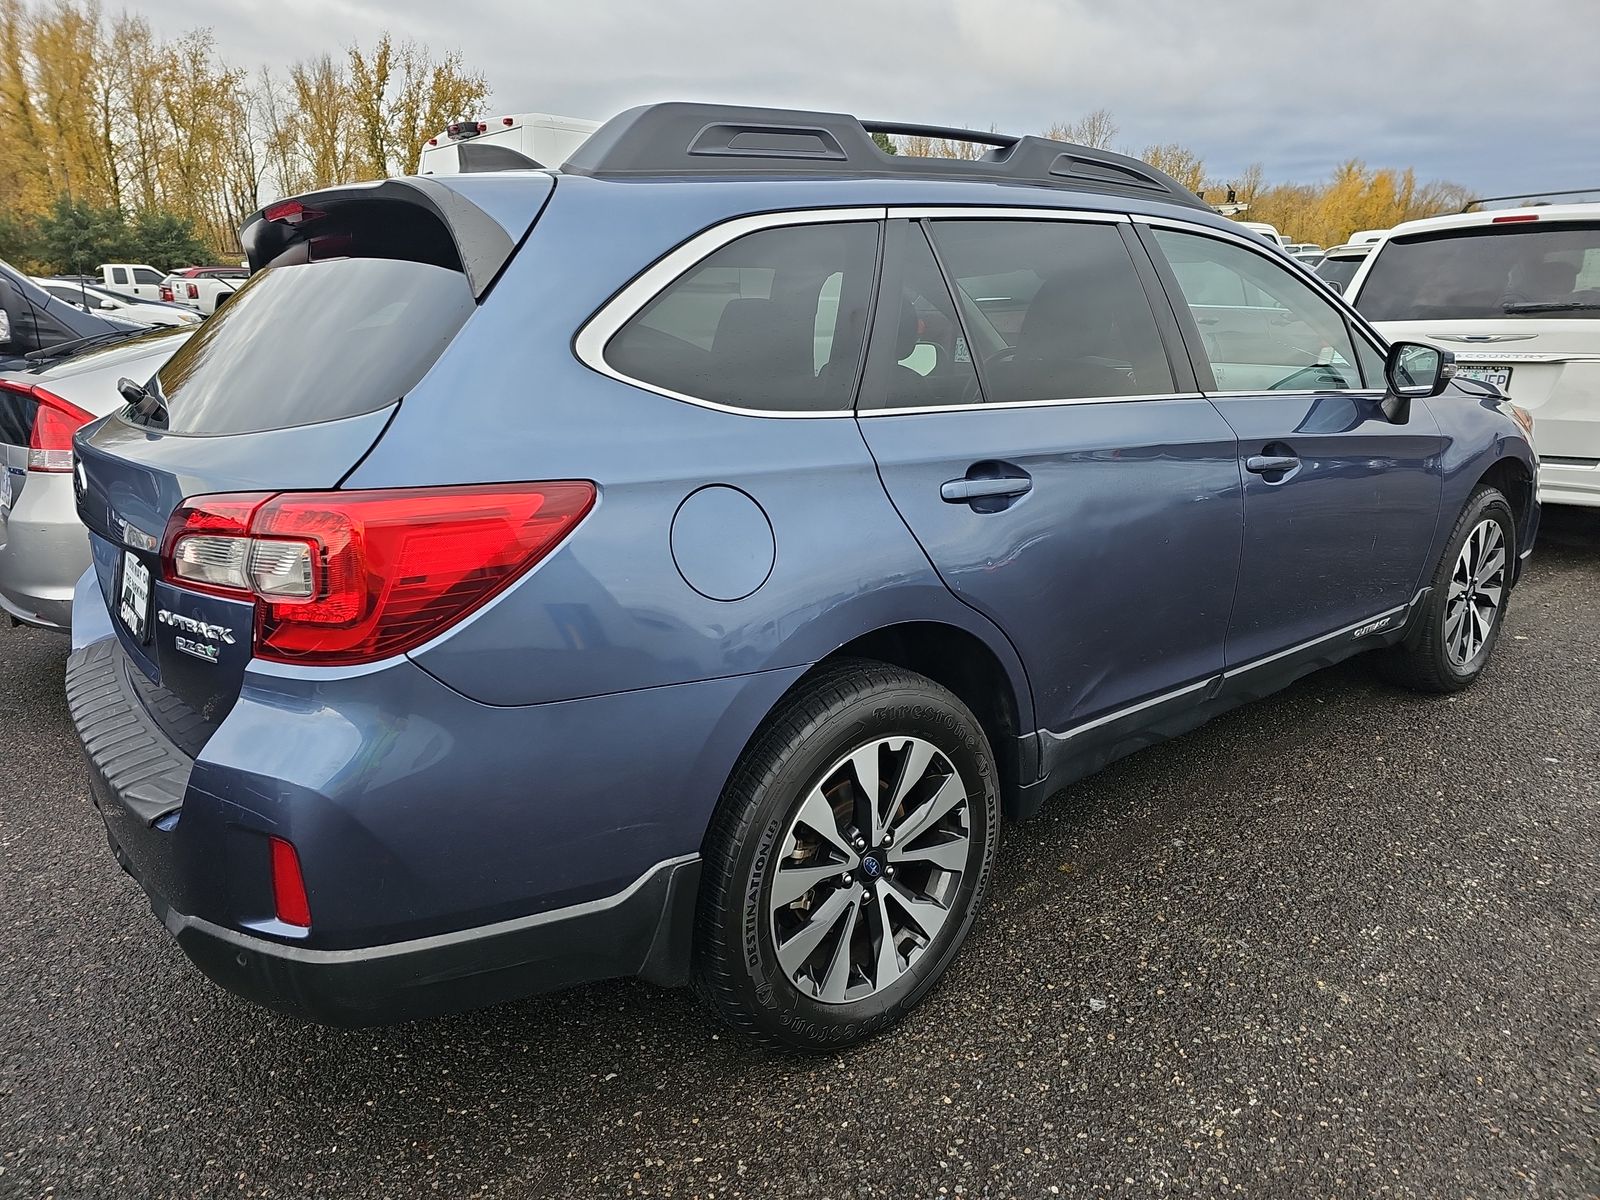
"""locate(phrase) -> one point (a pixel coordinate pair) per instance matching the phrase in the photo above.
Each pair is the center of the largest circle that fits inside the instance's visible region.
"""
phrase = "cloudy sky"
(1498, 96)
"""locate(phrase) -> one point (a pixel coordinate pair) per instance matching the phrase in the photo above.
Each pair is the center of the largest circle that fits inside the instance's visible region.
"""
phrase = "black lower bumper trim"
(644, 930)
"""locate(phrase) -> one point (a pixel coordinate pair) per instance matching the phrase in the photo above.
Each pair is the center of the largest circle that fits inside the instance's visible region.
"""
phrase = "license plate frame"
(1495, 374)
(133, 597)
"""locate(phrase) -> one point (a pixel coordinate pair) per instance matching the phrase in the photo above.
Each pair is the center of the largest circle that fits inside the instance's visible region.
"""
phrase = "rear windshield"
(314, 342)
(1338, 270)
(1495, 271)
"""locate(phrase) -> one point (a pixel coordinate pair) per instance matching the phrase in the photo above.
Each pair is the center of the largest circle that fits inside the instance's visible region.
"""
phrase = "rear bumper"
(43, 551)
(1569, 483)
(139, 781)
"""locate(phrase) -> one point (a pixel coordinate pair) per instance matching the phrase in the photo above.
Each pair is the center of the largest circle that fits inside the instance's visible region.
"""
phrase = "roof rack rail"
(678, 139)
(1472, 204)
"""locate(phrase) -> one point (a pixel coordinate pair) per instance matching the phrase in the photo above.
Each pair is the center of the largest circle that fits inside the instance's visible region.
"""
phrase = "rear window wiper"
(66, 349)
(1538, 306)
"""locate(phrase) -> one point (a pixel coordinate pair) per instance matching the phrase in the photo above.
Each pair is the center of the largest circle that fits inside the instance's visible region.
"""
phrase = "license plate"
(1486, 373)
(133, 604)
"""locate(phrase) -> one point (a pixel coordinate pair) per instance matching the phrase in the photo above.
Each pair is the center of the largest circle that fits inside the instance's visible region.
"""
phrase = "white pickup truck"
(135, 279)
(203, 288)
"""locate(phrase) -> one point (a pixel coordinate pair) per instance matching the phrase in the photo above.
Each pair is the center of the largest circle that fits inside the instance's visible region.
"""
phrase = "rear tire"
(1459, 624)
(868, 806)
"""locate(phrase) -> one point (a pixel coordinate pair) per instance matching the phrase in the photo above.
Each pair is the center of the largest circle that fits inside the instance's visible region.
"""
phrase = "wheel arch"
(1515, 481)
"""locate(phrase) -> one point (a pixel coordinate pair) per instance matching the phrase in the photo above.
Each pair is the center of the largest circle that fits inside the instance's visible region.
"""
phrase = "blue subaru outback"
(681, 563)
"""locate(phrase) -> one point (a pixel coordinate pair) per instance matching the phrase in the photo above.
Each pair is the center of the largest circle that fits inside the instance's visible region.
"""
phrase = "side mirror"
(105, 304)
(1414, 369)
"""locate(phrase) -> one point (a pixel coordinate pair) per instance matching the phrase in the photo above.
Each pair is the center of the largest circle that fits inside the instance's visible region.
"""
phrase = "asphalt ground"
(1342, 943)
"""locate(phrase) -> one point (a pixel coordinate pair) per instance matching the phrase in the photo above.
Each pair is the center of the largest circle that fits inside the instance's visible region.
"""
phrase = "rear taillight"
(193, 290)
(352, 577)
(54, 422)
(166, 293)
(288, 885)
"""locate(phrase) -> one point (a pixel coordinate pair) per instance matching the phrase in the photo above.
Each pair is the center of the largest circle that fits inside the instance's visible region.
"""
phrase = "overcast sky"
(1500, 97)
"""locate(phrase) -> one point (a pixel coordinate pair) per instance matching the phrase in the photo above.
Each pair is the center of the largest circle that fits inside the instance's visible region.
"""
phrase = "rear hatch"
(1519, 305)
(356, 293)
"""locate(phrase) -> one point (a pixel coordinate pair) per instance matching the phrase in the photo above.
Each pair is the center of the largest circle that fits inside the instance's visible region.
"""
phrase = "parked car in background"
(520, 142)
(1515, 293)
(43, 545)
(203, 288)
(765, 517)
(32, 321)
(134, 279)
(1339, 265)
(1307, 252)
(1364, 237)
(1270, 232)
(90, 298)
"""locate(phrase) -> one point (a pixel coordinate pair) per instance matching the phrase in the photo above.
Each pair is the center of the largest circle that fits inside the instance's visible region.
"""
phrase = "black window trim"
(594, 335)
(1354, 323)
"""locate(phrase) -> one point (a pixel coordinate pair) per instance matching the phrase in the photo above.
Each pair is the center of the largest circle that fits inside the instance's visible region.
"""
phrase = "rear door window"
(774, 320)
(919, 356)
(314, 342)
(119, 275)
(1054, 309)
(1523, 269)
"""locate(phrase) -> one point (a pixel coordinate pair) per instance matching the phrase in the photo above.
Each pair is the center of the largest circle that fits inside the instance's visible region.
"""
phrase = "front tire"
(846, 859)
(1460, 622)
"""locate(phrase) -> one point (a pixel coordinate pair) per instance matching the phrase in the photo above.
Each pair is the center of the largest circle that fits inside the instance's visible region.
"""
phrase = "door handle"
(1270, 464)
(962, 491)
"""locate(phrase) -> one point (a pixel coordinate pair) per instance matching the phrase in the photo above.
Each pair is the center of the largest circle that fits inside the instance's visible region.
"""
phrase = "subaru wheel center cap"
(871, 866)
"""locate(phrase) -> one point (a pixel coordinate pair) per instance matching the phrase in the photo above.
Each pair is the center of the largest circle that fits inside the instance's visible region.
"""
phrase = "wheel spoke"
(918, 755)
(928, 916)
(950, 854)
(887, 966)
(1453, 616)
(817, 815)
(1492, 565)
(789, 883)
(794, 953)
(950, 794)
(864, 762)
(837, 977)
(1490, 595)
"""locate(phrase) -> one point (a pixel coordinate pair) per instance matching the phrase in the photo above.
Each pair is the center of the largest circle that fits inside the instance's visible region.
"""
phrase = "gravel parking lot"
(1343, 943)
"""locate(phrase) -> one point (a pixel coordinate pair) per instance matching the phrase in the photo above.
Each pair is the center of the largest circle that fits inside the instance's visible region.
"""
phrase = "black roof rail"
(678, 139)
(1472, 204)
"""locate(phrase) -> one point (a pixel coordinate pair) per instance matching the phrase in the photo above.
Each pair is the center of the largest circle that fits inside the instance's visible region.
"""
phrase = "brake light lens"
(193, 289)
(291, 212)
(1516, 219)
(54, 422)
(288, 885)
(341, 578)
(166, 293)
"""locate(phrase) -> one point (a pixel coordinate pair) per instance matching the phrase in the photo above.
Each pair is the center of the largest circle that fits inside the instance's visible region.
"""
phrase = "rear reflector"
(341, 578)
(1515, 219)
(288, 885)
(54, 422)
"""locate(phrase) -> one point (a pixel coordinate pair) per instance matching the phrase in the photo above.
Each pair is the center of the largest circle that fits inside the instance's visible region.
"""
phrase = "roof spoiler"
(681, 139)
(477, 244)
(1472, 204)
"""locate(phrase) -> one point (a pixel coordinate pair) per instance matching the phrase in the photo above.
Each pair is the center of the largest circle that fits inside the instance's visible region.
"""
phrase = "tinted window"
(302, 344)
(774, 320)
(1519, 270)
(1263, 327)
(1339, 271)
(1054, 310)
(119, 275)
(919, 356)
(146, 275)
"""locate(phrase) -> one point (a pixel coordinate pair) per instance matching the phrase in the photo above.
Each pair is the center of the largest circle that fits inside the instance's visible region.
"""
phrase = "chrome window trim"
(1267, 393)
(1344, 307)
(590, 343)
(1062, 403)
(992, 212)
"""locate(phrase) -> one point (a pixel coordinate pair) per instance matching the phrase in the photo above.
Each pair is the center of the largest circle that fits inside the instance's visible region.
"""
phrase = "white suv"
(1516, 294)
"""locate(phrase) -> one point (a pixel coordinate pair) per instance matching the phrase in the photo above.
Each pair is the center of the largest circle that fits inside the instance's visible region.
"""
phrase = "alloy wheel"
(871, 865)
(1477, 589)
